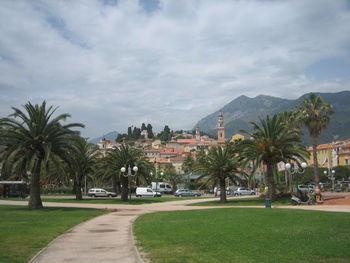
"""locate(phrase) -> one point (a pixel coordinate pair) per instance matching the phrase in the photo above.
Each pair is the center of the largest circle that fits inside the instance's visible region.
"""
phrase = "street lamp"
(129, 175)
(331, 176)
(295, 169)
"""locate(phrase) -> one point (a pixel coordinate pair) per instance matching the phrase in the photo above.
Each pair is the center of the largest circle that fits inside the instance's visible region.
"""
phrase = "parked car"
(99, 192)
(217, 191)
(161, 187)
(186, 192)
(311, 188)
(146, 191)
(305, 188)
(243, 191)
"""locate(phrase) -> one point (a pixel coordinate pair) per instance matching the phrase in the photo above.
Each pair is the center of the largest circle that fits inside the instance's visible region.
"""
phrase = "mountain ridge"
(242, 110)
(109, 136)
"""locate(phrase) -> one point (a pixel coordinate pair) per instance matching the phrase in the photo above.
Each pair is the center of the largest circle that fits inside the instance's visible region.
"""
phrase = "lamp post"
(129, 175)
(295, 169)
(331, 176)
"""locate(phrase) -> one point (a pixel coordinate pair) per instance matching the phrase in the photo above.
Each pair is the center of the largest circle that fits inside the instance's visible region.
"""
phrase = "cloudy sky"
(113, 64)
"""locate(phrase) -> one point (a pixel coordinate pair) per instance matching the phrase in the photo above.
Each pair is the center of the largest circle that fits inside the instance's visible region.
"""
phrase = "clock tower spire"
(221, 128)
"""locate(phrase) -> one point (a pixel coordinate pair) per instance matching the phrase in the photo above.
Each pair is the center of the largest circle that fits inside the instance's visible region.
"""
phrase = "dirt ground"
(336, 198)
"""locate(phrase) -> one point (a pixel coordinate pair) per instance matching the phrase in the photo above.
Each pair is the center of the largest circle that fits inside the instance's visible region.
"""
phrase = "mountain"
(109, 136)
(241, 111)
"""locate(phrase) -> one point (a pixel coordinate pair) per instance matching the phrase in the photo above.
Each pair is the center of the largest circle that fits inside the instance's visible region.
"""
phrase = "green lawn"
(244, 235)
(254, 201)
(24, 232)
(88, 200)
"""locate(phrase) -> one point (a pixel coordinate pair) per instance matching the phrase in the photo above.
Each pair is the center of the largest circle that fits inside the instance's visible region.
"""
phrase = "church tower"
(221, 128)
(198, 134)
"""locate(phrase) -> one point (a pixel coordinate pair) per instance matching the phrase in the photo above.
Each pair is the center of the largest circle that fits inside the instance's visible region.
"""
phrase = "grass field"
(88, 200)
(24, 232)
(244, 235)
(254, 201)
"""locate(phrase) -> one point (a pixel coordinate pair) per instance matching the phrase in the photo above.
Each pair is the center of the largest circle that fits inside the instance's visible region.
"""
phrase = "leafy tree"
(32, 139)
(188, 164)
(121, 137)
(342, 173)
(143, 174)
(171, 176)
(314, 113)
(272, 142)
(129, 131)
(220, 163)
(136, 133)
(150, 131)
(143, 127)
(249, 173)
(166, 134)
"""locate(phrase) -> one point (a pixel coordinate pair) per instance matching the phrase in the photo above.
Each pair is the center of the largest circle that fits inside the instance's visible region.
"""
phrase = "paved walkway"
(109, 238)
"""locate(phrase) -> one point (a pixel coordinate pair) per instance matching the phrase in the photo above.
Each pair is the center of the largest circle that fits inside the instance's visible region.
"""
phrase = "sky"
(113, 64)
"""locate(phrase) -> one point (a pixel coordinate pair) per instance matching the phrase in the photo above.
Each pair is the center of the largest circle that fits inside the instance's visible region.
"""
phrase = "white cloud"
(112, 66)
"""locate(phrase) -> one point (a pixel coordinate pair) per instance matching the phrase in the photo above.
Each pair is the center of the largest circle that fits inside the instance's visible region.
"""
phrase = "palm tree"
(123, 157)
(107, 169)
(81, 161)
(220, 163)
(315, 113)
(272, 142)
(32, 139)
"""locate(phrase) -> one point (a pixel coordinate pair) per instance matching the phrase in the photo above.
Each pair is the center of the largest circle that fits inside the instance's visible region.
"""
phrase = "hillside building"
(237, 137)
(332, 154)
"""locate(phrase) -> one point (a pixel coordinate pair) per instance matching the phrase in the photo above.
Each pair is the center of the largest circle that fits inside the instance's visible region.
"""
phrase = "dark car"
(186, 192)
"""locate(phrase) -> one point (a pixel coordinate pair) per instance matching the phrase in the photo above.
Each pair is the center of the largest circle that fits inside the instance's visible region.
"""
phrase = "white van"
(162, 187)
(146, 191)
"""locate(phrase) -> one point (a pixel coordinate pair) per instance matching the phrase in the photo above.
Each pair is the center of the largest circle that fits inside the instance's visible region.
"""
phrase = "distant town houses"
(176, 148)
(332, 154)
(172, 151)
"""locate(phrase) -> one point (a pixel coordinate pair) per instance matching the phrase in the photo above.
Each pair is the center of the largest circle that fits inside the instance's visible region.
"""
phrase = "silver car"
(186, 192)
(243, 191)
(98, 192)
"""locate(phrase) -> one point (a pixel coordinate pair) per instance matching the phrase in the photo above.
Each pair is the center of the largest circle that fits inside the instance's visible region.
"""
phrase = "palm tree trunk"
(114, 183)
(119, 188)
(223, 190)
(74, 187)
(125, 189)
(314, 153)
(271, 184)
(78, 192)
(35, 199)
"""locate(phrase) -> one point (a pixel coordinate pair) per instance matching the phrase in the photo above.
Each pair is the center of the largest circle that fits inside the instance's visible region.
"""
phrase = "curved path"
(109, 238)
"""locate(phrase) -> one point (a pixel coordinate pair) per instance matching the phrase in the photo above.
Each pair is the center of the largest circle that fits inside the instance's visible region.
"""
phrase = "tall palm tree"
(32, 138)
(314, 113)
(220, 163)
(81, 161)
(272, 142)
(123, 156)
(107, 170)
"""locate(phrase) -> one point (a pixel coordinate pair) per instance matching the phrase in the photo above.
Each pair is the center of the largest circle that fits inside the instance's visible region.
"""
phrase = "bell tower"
(198, 134)
(221, 128)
